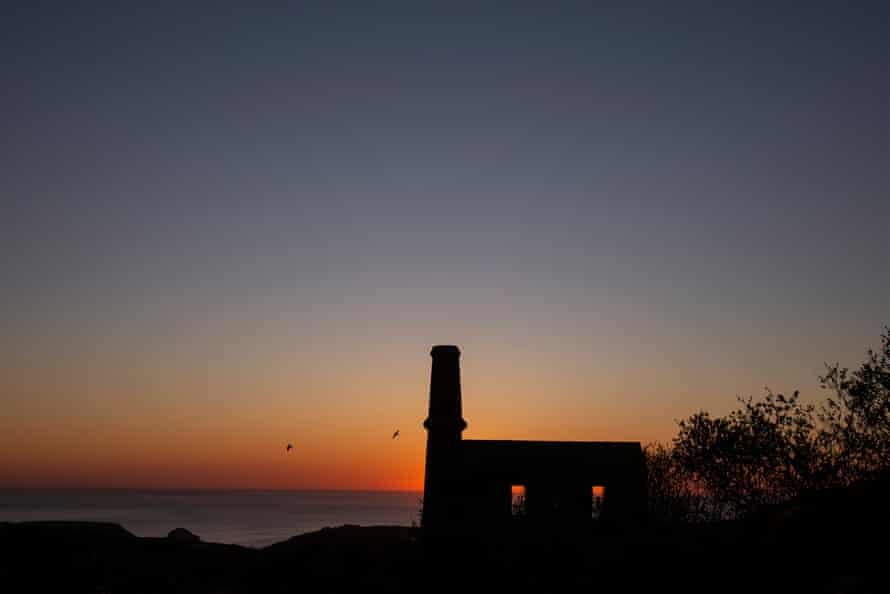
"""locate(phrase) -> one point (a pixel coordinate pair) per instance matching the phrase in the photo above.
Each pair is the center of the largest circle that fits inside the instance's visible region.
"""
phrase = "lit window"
(597, 497)
(517, 493)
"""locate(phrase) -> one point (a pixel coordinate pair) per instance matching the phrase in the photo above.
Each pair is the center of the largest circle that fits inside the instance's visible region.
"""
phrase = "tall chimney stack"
(444, 426)
(445, 401)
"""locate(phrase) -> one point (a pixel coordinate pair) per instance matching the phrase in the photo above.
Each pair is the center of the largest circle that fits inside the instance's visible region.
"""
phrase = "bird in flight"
(289, 448)
(396, 434)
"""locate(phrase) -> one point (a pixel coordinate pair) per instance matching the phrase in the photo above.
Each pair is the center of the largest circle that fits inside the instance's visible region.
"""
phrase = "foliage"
(673, 496)
(856, 419)
(761, 453)
(518, 507)
(417, 520)
(775, 449)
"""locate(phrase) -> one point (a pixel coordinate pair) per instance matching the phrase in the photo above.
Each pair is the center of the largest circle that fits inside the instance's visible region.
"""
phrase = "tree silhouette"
(674, 496)
(776, 449)
(856, 419)
(763, 452)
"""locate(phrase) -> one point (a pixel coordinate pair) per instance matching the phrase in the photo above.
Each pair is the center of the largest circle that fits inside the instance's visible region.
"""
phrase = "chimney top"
(445, 349)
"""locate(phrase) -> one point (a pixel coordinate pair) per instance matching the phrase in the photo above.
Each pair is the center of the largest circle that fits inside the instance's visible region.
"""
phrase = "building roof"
(519, 459)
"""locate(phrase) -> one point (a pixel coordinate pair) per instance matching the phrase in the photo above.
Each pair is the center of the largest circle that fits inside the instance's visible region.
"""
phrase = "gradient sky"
(224, 229)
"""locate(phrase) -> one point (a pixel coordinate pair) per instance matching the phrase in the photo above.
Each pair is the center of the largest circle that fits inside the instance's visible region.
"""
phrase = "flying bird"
(289, 448)
(396, 434)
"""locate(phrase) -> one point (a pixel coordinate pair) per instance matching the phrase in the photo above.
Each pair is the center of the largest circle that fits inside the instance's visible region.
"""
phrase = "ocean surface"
(249, 518)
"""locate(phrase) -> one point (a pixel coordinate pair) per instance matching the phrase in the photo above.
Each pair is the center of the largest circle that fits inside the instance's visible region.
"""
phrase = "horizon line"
(242, 489)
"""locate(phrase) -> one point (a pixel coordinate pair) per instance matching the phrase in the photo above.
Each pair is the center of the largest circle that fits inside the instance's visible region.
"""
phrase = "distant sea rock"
(183, 535)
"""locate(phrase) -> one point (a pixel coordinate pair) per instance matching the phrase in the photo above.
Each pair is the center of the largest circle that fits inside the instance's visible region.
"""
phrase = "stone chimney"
(444, 426)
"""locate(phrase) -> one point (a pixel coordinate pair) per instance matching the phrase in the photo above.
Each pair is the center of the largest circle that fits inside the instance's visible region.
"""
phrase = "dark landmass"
(834, 542)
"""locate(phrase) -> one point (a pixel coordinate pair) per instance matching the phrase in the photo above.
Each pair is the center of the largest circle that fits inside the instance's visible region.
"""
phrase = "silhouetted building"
(476, 484)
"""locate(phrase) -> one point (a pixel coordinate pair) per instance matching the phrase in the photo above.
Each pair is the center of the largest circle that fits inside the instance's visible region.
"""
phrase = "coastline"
(253, 518)
(781, 548)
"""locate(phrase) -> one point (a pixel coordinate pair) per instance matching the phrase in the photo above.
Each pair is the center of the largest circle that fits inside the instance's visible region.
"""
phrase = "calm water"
(251, 518)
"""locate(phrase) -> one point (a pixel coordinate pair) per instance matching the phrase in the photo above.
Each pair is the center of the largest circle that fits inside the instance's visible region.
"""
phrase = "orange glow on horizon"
(194, 423)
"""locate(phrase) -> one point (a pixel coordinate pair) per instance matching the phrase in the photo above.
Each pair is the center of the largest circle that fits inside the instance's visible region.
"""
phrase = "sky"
(225, 228)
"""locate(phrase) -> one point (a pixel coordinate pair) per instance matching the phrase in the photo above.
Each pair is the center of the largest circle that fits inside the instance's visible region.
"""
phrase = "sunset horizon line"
(215, 489)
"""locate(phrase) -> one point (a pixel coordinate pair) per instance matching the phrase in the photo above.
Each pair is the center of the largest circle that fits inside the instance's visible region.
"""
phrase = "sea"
(247, 518)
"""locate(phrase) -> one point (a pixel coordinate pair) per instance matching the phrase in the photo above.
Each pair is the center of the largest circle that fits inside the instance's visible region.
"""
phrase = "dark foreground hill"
(831, 542)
